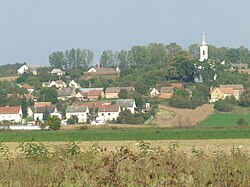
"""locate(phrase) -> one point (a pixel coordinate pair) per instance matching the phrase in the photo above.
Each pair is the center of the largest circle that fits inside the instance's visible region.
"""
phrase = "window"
(102, 114)
(203, 52)
(109, 114)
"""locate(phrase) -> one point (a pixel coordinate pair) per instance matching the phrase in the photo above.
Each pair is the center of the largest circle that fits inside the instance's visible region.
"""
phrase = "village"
(75, 104)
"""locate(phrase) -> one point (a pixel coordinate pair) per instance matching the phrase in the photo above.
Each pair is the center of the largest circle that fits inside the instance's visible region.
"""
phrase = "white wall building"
(13, 114)
(81, 112)
(203, 49)
(109, 112)
(22, 70)
(127, 104)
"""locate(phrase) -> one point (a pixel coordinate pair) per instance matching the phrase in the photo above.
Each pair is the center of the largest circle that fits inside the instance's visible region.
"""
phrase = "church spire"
(203, 39)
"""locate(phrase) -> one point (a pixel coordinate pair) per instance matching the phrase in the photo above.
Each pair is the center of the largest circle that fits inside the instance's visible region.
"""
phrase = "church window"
(203, 52)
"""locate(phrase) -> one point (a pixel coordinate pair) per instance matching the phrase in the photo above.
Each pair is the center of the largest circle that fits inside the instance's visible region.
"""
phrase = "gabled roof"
(10, 110)
(95, 92)
(75, 109)
(88, 89)
(109, 108)
(42, 104)
(227, 90)
(65, 92)
(50, 109)
(234, 86)
(118, 89)
(27, 87)
(125, 102)
(166, 90)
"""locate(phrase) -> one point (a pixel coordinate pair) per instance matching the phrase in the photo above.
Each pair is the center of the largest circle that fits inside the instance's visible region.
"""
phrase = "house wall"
(38, 116)
(82, 116)
(109, 116)
(154, 93)
(111, 95)
(17, 118)
(216, 95)
(165, 95)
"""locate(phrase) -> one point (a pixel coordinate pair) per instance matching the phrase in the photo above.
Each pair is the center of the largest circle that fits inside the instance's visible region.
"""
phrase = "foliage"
(46, 114)
(223, 106)
(245, 98)
(242, 121)
(48, 94)
(125, 116)
(24, 106)
(10, 69)
(73, 120)
(54, 123)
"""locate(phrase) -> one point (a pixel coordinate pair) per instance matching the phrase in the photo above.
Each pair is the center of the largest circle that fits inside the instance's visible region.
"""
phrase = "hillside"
(173, 117)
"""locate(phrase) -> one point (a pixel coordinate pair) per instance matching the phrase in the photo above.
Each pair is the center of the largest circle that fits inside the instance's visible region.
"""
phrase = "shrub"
(54, 123)
(223, 106)
(242, 122)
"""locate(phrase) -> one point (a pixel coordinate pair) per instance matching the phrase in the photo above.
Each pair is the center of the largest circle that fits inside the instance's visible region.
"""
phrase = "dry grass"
(10, 78)
(208, 146)
(143, 165)
(175, 117)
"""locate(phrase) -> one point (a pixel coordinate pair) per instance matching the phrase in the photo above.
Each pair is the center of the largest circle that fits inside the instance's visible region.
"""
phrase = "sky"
(31, 30)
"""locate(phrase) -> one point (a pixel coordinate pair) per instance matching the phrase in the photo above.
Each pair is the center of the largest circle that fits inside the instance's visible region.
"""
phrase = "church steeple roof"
(203, 39)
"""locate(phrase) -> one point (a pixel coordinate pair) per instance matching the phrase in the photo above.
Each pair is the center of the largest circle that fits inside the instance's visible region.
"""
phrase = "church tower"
(203, 49)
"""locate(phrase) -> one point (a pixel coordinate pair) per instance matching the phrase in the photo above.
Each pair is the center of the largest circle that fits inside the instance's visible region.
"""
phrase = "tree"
(48, 94)
(123, 94)
(24, 106)
(46, 114)
(54, 123)
(245, 98)
(223, 106)
(242, 121)
(107, 59)
(194, 49)
(56, 59)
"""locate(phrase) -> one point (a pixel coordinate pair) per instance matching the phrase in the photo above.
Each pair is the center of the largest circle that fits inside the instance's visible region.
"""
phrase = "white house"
(13, 114)
(22, 70)
(153, 92)
(39, 112)
(109, 112)
(58, 72)
(81, 112)
(127, 104)
(74, 84)
(58, 84)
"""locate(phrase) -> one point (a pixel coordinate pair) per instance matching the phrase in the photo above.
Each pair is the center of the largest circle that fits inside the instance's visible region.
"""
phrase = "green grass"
(224, 119)
(109, 134)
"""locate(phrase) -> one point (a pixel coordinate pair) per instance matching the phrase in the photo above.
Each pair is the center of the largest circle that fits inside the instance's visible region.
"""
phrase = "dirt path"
(172, 117)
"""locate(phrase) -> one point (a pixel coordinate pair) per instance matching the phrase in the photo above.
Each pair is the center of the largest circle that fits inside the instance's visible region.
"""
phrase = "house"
(79, 96)
(226, 90)
(13, 114)
(95, 94)
(102, 71)
(81, 112)
(30, 97)
(109, 112)
(22, 70)
(153, 92)
(74, 84)
(127, 104)
(58, 84)
(66, 93)
(58, 72)
(27, 87)
(39, 112)
(112, 92)
(166, 92)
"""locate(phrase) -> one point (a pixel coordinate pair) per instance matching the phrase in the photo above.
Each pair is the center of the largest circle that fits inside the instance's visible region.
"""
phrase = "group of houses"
(105, 110)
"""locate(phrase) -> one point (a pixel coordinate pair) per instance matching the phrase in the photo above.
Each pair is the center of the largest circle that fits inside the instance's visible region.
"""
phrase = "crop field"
(67, 164)
(224, 119)
(124, 134)
(10, 78)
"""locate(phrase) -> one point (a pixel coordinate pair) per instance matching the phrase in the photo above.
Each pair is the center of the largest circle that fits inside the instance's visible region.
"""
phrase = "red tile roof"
(27, 86)
(95, 92)
(42, 104)
(10, 110)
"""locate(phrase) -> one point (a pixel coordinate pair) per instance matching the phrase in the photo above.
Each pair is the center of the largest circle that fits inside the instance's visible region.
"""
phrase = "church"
(203, 49)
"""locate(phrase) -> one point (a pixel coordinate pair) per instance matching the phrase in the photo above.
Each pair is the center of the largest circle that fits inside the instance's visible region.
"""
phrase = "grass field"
(115, 134)
(224, 119)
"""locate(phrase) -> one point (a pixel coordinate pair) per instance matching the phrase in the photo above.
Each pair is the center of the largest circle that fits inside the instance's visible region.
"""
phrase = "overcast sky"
(30, 30)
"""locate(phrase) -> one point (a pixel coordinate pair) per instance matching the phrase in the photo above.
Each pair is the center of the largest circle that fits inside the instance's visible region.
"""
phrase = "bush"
(223, 106)
(54, 123)
(242, 122)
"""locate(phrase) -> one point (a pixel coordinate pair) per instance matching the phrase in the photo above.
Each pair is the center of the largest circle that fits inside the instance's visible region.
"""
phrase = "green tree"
(223, 106)
(46, 114)
(24, 106)
(123, 94)
(245, 98)
(107, 59)
(48, 94)
(57, 60)
(54, 123)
